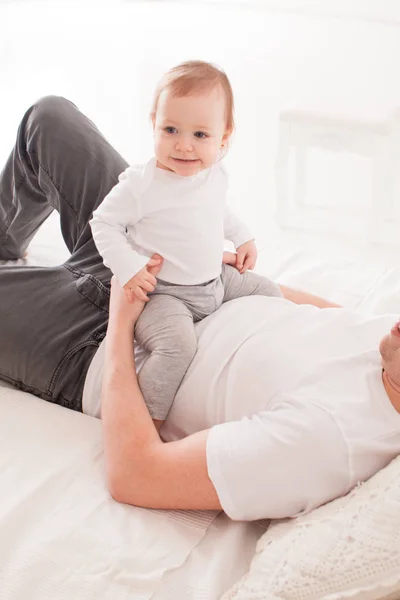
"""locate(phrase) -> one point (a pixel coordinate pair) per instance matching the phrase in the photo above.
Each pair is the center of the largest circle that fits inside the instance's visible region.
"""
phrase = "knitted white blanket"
(349, 548)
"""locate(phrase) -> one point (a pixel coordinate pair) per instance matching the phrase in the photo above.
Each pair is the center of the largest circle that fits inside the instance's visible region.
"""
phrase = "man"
(284, 406)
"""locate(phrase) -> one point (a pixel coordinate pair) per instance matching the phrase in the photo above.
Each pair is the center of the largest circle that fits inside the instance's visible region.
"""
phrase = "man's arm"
(305, 298)
(141, 469)
(296, 296)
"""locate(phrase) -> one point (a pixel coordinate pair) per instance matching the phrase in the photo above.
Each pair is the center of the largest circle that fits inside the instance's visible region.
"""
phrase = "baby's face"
(189, 131)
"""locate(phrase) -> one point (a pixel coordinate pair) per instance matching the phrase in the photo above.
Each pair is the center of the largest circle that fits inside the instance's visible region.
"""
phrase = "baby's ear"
(225, 138)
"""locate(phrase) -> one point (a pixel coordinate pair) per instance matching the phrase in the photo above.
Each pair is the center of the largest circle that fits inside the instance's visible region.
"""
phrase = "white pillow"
(349, 548)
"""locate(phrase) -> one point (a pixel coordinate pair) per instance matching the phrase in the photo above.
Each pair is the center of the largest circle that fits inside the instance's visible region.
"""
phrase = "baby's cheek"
(211, 155)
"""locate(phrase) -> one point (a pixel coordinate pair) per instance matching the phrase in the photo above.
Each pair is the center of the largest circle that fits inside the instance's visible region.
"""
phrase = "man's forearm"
(305, 298)
(129, 433)
(141, 469)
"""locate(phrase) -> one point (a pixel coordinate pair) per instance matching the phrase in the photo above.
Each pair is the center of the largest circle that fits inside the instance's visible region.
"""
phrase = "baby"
(175, 206)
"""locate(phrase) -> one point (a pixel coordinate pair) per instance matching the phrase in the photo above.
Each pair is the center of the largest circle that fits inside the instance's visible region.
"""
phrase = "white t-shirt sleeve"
(278, 463)
(234, 229)
(120, 208)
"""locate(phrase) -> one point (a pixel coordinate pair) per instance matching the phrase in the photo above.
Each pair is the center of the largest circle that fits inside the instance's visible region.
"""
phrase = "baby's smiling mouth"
(186, 159)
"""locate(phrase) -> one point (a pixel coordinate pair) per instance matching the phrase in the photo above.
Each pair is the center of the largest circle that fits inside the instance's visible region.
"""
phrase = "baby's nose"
(184, 144)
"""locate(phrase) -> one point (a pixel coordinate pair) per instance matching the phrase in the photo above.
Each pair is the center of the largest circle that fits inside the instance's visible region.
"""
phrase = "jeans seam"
(100, 286)
(21, 385)
(72, 404)
(65, 359)
(10, 218)
(79, 273)
(18, 185)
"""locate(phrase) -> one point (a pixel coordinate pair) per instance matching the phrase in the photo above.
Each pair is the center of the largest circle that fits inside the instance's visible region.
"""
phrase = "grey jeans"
(52, 319)
(166, 329)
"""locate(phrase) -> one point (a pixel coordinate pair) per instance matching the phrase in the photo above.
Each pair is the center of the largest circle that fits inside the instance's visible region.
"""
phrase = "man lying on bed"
(284, 407)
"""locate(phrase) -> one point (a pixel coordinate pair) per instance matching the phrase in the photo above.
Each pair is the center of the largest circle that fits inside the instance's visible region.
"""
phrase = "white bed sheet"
(64, 537)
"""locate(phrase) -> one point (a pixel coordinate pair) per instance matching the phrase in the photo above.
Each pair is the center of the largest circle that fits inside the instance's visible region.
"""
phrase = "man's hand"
(246, 257)
(143, 282)
(120, 306)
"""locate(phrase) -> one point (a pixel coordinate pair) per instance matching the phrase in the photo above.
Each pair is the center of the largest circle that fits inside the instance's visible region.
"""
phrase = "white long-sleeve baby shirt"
(184, 219)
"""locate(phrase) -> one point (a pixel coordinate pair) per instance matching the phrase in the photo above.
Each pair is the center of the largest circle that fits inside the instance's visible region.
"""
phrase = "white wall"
(376, 10)
(107, 57)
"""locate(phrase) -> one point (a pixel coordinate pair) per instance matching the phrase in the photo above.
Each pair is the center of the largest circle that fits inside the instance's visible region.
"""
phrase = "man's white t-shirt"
(293, 398)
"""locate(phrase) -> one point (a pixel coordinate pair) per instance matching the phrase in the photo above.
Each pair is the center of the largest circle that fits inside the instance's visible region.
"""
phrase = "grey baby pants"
(166, 329)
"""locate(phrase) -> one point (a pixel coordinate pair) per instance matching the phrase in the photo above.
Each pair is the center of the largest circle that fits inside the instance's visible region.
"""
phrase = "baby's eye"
(170, 129)
(201, 135)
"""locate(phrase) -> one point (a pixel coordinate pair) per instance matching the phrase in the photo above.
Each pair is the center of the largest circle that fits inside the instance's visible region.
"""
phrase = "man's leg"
(52, 319)
(248, 284)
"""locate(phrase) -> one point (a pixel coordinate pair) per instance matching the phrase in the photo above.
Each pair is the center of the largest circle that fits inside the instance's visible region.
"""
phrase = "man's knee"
(49, 110)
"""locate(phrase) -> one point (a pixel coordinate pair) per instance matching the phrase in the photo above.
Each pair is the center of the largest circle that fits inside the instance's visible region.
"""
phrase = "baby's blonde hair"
(192, 77)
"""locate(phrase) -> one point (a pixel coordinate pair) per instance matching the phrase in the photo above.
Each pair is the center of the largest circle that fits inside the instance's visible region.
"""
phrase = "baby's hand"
(246, 257)
(142, 283)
